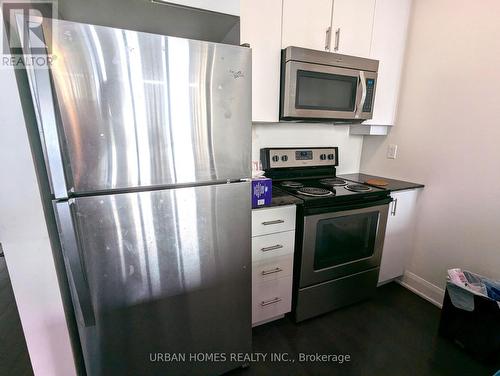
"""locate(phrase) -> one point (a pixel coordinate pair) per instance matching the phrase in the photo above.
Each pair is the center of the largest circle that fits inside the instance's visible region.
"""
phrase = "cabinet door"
(305, 23)
(398, 241)
(390, 28)
(261, 28)
(352, 27)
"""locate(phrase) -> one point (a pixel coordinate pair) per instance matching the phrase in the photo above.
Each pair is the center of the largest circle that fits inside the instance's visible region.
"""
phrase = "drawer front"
(271, 220)
(271, 298)
(273, 245)
(275, 268)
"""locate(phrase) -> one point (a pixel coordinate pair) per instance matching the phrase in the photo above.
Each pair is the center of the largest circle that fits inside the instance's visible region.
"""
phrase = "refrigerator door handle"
(74, 268)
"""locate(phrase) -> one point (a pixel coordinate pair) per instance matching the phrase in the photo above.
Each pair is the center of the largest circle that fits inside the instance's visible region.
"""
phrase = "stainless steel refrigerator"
(147, 142)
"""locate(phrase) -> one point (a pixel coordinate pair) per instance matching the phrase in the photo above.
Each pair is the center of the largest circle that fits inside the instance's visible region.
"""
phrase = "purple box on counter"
(262, 192)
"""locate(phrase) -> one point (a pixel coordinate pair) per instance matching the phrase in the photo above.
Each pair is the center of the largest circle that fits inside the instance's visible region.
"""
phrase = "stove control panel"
(295, 157)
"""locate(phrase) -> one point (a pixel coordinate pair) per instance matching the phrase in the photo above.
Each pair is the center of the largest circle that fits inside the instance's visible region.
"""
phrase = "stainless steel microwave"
(317, 85)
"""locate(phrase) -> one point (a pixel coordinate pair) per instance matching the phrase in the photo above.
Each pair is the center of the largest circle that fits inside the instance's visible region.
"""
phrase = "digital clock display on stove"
(302, 155)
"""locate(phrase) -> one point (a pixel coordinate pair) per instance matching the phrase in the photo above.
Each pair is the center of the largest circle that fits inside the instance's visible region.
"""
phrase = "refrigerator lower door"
(161, 280)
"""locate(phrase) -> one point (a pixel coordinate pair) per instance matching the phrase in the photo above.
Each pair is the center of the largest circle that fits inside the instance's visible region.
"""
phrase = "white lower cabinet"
(272, 269)
(271, 299)
(398, 242)
(273, 220)
(272, 262)
(272, 245)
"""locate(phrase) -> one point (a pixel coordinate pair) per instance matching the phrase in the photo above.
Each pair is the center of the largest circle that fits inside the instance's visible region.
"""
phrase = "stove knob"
(276, 158)
(331, 156)
(322, 157)
(284, 158)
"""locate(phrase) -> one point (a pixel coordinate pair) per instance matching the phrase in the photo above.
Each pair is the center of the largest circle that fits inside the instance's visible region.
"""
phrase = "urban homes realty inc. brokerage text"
(249, 357)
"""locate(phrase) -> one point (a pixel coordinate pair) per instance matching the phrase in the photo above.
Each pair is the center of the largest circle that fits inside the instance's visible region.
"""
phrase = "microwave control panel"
(288, 157)
(370, 88)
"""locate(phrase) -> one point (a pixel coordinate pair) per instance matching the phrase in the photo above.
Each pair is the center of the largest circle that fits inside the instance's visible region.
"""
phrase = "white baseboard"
(422, 288)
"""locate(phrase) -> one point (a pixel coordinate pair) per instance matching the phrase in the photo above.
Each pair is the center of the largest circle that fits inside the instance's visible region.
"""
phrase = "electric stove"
(340, 229)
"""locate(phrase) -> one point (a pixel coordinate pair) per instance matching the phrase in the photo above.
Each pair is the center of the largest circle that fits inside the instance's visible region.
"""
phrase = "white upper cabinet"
(388, 46)
(306, 23)
(261, 28)
(352, 27)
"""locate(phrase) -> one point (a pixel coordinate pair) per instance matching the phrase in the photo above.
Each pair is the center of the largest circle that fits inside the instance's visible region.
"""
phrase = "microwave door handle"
(362, 100)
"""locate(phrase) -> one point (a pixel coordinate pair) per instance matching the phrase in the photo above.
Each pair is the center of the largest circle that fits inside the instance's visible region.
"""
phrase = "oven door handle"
(359, 107)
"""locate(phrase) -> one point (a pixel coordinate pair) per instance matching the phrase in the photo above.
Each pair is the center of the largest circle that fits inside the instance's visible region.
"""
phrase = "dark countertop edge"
(281, 198)
(393, 185)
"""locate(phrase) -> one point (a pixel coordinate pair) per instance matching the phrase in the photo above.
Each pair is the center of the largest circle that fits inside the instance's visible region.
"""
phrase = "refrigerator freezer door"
(167, 271)
(138, 109)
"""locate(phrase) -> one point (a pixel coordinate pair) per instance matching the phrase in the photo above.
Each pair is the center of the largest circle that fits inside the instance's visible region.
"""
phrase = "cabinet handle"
(337, 39)
(394, 207)
(272, 271)
(272, 301)
(278, 221)
(271, 248)
(328, 38)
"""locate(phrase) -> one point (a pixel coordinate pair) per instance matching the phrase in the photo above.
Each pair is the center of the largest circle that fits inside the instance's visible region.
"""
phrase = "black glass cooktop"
(328, 190)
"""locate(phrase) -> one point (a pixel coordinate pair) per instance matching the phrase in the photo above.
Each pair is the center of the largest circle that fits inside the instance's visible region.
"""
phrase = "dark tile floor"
(395, 333)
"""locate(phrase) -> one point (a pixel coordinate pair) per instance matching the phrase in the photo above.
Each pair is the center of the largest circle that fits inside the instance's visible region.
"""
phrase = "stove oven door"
(341, 243)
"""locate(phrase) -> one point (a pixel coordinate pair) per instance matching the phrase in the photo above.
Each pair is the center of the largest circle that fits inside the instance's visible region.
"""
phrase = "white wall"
(448, 133)
(24, 236)
(300, 134)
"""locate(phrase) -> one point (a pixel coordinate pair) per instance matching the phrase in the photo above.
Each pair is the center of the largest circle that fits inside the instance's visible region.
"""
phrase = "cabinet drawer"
(273, 245)
(271, 269)
(271, 220)
(271, 298)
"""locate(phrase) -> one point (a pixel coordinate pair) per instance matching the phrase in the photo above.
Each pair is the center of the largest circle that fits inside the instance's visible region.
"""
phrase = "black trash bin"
(476, 330)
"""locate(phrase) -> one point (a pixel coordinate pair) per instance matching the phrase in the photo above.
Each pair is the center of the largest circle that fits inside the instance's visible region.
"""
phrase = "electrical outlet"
(392, 151)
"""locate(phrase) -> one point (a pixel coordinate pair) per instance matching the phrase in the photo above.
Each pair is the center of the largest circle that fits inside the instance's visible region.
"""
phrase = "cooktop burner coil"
(358, 188)
(292, 184)
(315, 192)
(333, 182)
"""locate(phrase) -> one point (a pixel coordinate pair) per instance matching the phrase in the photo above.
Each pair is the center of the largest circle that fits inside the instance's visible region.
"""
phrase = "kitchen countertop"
(281, 198)
(393, 184)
